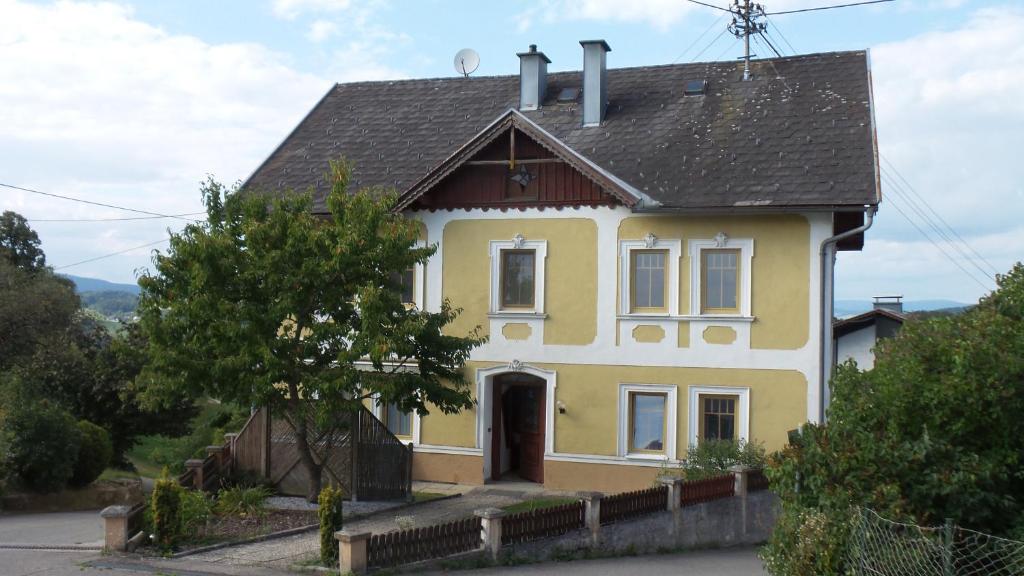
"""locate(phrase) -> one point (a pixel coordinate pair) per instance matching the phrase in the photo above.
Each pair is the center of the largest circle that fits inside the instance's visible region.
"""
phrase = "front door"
(518, 428)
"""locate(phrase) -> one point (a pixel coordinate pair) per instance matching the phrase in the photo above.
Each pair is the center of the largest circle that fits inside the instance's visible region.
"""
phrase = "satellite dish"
(466, 61)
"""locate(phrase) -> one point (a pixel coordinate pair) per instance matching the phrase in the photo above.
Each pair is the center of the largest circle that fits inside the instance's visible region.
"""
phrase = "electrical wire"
(51, 195)
(111, 219)
(699, 38)
(119, 252)
(896, 189)
(727, 49)
(781, 35)
(943, 251)
(819, 7)
(701, 53)
(710, 6)
(770, 45)
(936, 214)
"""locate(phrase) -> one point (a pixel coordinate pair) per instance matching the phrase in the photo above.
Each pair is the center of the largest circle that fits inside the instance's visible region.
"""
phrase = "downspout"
(828, 261)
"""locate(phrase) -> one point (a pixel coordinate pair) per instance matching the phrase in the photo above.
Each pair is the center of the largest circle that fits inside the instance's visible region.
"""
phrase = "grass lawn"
(115, 474)
(536, 504)
(426, 496)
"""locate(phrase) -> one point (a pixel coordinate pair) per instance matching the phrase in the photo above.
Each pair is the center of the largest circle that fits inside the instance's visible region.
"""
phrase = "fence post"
(352, 552)
(220, 455)
(947, 548)
(115, 528)
(739, 490)
(490, 520)
(673, 502)
(592, 515)
(231, 442)
(196, 466)
(409, 496)
(354, 459)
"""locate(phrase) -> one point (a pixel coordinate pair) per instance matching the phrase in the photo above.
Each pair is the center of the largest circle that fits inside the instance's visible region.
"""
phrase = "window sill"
(690, 318)
(513, 314)
(642, 456)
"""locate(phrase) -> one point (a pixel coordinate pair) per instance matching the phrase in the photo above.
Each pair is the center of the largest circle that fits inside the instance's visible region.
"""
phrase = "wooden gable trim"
(515, 121)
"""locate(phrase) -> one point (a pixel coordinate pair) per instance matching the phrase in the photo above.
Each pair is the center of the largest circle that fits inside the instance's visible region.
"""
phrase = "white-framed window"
(647, 421)
(398, 422)
(720, 276)
(649, 276)
(718, 412)
(517, 276)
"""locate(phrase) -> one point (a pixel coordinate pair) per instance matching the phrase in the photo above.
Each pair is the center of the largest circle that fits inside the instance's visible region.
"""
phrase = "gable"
(513, 171)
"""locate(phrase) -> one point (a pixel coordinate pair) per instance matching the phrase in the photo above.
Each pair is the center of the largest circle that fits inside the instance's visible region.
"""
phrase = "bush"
(42, 446)
(94, 454)
(709, 458)
(330, 513)
(243, 501)
(166, 505)
(196, 509)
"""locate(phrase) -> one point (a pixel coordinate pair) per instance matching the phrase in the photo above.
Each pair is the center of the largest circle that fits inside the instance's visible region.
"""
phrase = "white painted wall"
(858, 345)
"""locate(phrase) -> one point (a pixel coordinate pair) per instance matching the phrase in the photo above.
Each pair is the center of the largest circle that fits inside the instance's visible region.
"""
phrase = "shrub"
(709, 458)
(196, 509)
(94, 454)
(243, 501)
(330, 513)
(246, 479)
(42, 446)
(166, 506)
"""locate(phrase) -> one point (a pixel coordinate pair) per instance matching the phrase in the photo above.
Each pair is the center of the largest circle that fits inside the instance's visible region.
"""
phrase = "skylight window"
(569, 94)
(695, 88)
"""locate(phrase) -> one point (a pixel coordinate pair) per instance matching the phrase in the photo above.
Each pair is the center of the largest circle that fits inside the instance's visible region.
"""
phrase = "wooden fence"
(417, 544)
(357, 453)
(545, 522)
(631, 504)
(698, 491)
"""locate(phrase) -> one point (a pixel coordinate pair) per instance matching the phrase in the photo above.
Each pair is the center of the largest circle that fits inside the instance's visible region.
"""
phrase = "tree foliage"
(267, 304)
(19, 243)
(35, 306)
(932, 432)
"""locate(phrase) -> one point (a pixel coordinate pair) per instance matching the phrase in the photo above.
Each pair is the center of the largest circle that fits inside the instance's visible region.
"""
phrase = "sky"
(135, 103)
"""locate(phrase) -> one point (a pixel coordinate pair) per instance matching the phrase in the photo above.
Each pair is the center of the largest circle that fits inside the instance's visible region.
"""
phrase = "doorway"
(518, 427)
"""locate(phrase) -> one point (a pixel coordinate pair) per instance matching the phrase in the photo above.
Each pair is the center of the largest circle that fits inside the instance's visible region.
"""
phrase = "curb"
(299, 530)
(52, 547)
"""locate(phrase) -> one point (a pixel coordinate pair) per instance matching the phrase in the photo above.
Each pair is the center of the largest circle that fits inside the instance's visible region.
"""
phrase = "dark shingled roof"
(799, 134)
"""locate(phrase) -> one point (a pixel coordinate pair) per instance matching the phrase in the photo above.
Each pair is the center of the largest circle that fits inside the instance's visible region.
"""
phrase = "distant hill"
(97, 285)
(844, 308)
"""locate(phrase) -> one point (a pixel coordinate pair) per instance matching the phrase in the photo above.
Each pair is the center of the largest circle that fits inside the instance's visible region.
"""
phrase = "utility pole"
(744, 24)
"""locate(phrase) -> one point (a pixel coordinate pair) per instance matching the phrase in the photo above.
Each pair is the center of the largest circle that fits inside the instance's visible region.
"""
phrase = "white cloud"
(660, 14)
(97, 104)
(321, 30)
(291, 9)
(950, 116)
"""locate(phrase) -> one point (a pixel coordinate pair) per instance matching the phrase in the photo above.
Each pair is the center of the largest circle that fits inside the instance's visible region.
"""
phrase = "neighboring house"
(857, 336)
(649, 249)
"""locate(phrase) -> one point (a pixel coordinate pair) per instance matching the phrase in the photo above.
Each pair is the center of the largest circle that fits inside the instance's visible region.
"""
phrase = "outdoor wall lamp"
(561, 407)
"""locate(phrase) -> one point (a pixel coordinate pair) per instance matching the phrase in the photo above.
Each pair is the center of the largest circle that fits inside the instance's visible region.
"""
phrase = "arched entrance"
(518, 426)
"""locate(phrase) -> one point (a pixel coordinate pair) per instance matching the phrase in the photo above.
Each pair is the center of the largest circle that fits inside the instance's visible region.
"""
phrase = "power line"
(111, 254)
(727, 48)
(905, 197)
(944, 253)
(822, 7)
(770, 45)
(694, 43)
(111, 219)
(937, 215)
(146, 212)
(699, 54)
(781, 35)
(711, 6)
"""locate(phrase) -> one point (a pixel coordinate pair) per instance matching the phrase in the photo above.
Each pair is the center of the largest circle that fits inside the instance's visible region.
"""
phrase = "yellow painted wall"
(780, 288)
(719, 335)
(456, 468)
(571, 267)
(648, 333)
(778, 403)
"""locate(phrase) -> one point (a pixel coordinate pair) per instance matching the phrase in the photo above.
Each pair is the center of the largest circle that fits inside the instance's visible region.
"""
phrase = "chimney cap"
(533, 52)
(603, 44)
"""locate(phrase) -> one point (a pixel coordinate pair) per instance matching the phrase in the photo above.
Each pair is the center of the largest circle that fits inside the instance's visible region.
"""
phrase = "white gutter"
(828, 263)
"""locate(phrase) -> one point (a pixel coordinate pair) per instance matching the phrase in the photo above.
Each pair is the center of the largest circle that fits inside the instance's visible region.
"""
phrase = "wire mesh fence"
(881, 547)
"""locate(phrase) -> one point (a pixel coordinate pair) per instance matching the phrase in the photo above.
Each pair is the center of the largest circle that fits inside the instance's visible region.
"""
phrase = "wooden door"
(530, 428)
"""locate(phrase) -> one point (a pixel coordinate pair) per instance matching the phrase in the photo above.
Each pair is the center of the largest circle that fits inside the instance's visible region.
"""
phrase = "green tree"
(932, 432)
(34, 307)
(19, 243)
(267, 304)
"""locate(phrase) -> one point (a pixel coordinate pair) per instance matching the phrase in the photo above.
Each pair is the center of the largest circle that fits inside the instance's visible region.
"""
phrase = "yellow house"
(650, 250)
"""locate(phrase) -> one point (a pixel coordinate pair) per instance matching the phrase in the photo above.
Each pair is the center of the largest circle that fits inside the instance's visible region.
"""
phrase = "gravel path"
(285, 552)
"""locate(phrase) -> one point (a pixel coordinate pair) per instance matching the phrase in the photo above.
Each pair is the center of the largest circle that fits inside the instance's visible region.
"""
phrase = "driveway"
(52, 530)
(741, 561)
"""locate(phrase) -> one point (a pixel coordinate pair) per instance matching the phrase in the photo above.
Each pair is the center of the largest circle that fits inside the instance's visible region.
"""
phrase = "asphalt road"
(52, 529)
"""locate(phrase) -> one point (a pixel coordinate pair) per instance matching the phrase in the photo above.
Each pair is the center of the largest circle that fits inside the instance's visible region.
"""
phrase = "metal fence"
(881, 547)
